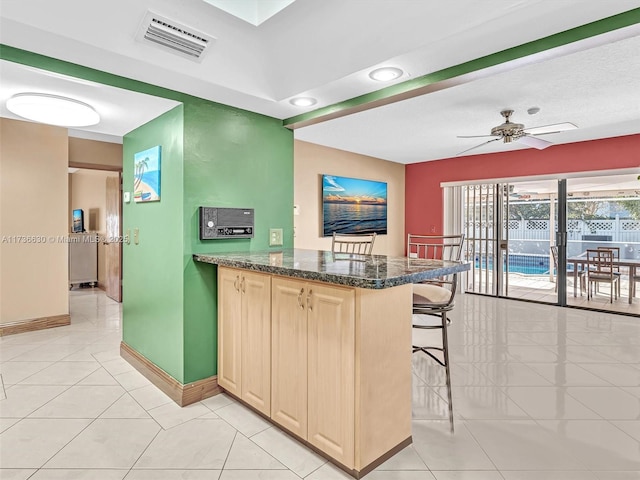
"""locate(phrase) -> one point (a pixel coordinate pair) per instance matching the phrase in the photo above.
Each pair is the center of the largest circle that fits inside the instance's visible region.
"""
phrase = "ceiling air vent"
(174, 37)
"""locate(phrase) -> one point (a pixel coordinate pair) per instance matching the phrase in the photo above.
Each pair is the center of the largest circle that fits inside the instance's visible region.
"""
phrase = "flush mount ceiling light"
(385, 74)
(53, 110)
(303, 101)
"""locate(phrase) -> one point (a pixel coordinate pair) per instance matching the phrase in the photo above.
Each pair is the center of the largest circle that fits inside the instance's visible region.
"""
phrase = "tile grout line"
(144, 450)
(235, 435)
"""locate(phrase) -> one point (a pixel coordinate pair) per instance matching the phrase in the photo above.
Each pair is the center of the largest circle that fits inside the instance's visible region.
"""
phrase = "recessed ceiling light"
(53, 110)
(303, 101)
(385, 74)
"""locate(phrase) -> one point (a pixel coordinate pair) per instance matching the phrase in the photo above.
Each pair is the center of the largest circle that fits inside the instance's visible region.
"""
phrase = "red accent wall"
(423, 194)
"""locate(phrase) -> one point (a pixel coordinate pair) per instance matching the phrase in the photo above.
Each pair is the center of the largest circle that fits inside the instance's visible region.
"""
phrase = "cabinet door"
(229, 329)
(331, 380)
(256, 340)
(289, 355)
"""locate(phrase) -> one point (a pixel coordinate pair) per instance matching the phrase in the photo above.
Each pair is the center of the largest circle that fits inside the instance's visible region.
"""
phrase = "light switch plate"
(275, 237)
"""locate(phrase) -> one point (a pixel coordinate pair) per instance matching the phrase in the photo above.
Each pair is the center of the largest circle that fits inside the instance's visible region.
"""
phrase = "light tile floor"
(540, 393)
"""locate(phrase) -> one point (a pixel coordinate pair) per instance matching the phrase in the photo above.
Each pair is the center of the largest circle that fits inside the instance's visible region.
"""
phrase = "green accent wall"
(233, 158)
(212, 155)
(152, 283)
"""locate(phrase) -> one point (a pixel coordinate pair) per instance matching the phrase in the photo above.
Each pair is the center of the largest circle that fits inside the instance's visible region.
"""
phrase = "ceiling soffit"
(601, 32)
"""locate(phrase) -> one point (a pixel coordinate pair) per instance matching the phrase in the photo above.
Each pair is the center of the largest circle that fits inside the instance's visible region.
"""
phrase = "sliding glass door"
(511, 229)
(480, 212)
(529, 239)
(604, 213)
(533, 254)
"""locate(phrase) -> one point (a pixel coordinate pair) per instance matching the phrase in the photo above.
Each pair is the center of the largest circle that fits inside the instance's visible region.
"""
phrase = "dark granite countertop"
(363, 271)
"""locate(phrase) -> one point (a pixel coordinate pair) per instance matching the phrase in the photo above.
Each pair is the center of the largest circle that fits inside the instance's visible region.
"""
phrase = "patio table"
(632, 263)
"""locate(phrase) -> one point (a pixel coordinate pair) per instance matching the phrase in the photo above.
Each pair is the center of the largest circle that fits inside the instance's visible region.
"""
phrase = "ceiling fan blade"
(477, 146)
(475, 136)
(553, 128)
(534, 142)
(544, 133)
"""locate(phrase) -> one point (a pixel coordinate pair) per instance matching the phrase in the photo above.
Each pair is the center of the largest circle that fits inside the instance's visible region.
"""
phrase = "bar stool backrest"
(435, 247)
(361, 244)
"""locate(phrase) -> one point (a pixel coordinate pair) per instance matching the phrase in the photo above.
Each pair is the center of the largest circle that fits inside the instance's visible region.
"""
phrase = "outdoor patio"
(540, 288)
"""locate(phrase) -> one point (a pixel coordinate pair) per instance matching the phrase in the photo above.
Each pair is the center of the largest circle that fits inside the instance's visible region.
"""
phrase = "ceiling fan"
(510, 132)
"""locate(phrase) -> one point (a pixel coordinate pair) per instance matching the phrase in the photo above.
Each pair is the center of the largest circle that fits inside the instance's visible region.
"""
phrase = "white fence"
(533, 236)
(617, 230)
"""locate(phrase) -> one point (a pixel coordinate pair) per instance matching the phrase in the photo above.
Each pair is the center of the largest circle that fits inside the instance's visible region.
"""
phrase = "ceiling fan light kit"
(510, 132)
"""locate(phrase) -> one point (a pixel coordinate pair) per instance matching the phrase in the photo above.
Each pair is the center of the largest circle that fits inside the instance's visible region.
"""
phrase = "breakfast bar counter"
(320, 344)
(363, 271)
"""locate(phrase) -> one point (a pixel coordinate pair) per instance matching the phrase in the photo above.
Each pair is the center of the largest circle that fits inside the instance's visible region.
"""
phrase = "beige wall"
(84, 153)
(33, 205)
(88, 191)
(311, 161)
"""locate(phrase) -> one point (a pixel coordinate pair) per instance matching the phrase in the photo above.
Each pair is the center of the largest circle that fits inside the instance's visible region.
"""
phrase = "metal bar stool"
(435, 298)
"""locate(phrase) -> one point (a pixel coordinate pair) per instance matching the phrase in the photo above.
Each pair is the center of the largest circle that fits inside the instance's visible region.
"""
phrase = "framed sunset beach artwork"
(351, 206)
(146, 175)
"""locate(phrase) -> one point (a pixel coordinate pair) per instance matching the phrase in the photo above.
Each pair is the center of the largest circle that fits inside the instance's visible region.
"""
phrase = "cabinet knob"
(300, 298)
(309, 306)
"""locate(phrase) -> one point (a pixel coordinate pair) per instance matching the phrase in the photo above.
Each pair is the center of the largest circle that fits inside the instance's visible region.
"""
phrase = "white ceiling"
(121, 110)
(597, 89)
(325, 49)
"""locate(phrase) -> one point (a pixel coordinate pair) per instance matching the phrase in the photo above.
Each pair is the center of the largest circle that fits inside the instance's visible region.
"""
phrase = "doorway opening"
(97, 259)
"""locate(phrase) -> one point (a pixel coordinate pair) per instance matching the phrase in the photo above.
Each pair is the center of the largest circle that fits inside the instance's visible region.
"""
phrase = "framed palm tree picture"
(146, 175)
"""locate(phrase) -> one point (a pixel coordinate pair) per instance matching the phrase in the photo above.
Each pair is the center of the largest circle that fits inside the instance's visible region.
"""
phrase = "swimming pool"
(521, 263)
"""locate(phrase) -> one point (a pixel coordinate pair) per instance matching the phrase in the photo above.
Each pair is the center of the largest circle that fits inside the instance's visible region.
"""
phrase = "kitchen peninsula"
(320, 343)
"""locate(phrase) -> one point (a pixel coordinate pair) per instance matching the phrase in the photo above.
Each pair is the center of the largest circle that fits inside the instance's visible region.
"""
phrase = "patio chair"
(600, 269)
(632, 284)
(435, 298)
(580, 273)
(616, 257)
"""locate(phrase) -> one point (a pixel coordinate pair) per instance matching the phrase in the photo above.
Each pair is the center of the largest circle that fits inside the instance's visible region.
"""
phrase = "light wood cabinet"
(229, 325)
(338, 362)
(244, 330)
(313, 364)
(330, 379)
(289, 355)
